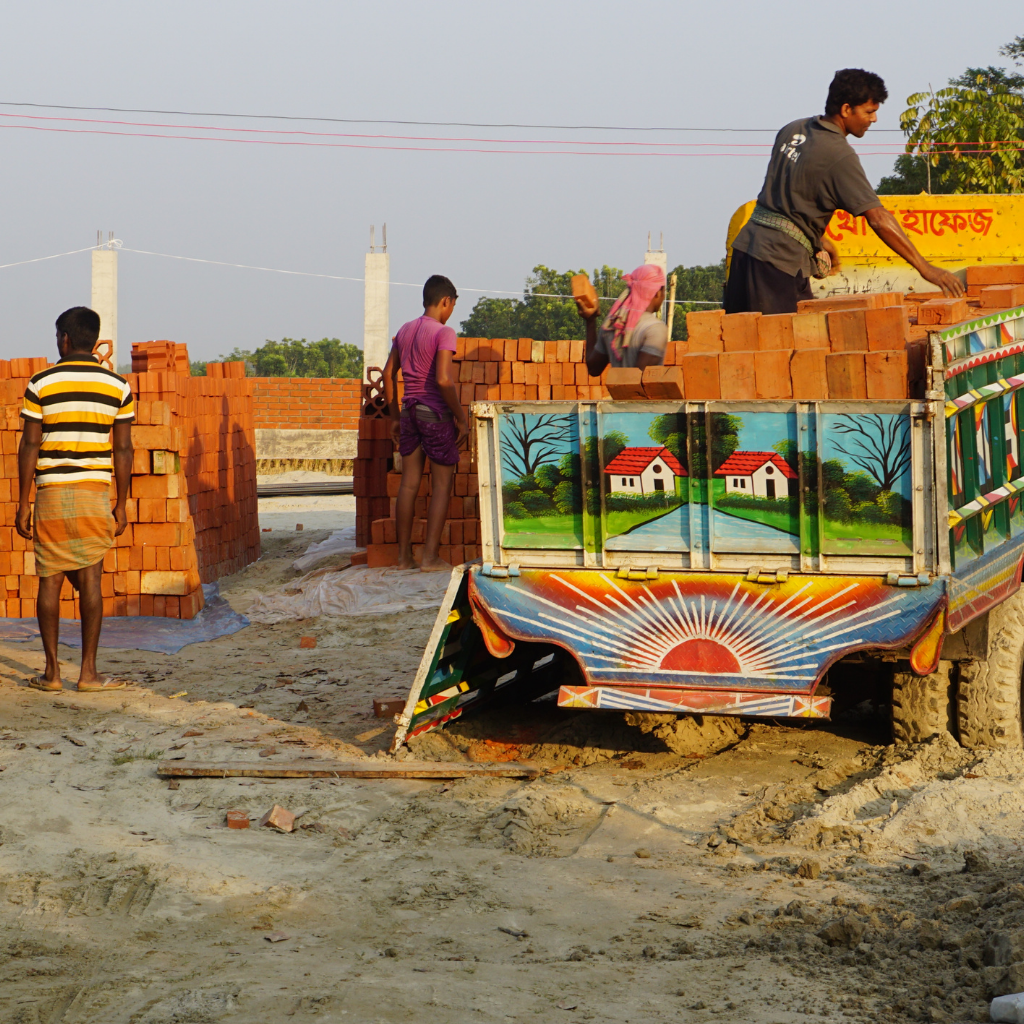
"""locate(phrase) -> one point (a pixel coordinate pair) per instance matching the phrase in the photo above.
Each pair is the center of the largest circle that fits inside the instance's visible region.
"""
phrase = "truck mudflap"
(458, 671)
(774, 633)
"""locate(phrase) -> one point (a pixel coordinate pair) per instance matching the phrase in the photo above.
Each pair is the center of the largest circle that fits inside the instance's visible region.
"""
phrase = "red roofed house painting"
(645, 471)
(759, 474)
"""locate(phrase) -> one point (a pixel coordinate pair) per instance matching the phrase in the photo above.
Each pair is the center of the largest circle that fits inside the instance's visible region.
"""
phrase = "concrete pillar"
(104, 295)
(376, 299)
(657, 258)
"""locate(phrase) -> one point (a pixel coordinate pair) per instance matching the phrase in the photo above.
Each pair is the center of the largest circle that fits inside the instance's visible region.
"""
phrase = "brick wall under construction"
(192, 513)
(306, 403)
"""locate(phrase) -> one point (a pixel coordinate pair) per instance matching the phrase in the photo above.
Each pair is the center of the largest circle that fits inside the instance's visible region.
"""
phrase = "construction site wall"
(306, 403)
(192, 513)
(850, 347)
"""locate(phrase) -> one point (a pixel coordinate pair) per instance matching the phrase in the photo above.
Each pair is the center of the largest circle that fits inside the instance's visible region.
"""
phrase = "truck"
(733, 557)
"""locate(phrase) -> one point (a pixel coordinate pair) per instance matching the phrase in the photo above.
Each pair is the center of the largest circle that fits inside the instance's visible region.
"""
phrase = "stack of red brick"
(17, 561)
(191, 509)
(205, 431)
(853, 347)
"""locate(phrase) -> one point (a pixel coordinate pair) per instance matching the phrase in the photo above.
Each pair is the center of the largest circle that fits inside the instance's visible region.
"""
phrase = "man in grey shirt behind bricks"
(813, 172)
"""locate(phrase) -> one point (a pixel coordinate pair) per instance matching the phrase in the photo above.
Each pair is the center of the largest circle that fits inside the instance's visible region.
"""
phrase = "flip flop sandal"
(39, 683)
(106, 683)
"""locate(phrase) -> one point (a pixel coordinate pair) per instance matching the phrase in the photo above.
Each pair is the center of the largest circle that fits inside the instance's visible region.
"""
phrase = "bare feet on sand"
(435, 565)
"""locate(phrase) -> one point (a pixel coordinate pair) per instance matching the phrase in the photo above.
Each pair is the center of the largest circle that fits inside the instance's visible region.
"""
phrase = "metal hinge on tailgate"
(755, 575)
(499, 572)
(630, 572)
(897, 579)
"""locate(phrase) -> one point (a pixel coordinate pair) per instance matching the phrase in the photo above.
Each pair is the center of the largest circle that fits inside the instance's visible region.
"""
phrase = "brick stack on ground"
(192, 514)
(849, 347)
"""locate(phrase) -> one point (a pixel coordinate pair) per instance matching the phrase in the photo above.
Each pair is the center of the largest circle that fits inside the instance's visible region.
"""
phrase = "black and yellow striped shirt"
(77, 402)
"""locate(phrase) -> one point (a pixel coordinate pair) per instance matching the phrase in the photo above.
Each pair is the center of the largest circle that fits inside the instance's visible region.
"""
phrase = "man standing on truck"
(813, 172)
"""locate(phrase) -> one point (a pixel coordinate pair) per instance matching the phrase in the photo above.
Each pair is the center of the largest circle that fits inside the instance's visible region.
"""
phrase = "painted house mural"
(761, 474)
(718, 481)
(645, 471)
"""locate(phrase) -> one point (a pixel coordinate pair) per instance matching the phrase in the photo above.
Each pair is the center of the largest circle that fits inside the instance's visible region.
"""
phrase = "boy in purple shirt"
(431, 423)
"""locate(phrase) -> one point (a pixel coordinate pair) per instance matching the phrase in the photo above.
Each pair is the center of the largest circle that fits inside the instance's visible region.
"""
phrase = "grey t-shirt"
(650, 336)
(813, 172)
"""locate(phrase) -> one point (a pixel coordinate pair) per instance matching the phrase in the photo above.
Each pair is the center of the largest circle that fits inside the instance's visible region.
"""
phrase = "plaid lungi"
(73, 526)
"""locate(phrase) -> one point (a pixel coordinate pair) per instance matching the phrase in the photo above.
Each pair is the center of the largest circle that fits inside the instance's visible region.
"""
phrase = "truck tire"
(923, 706)
(989, 699)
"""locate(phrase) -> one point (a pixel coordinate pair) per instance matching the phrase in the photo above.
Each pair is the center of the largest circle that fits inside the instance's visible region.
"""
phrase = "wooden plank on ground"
(368, 769)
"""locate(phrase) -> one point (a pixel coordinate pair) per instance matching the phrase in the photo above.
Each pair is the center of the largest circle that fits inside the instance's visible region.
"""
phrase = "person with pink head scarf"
(631, 334)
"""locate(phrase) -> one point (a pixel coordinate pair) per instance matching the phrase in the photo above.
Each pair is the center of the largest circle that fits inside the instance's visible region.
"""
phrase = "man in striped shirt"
(68, 411)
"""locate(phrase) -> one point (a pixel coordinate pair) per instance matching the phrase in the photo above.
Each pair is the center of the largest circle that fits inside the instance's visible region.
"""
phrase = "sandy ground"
(663, 870)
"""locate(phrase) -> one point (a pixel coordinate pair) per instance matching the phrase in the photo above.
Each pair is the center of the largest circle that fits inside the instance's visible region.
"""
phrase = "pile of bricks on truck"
(849, 347)
(192, 513)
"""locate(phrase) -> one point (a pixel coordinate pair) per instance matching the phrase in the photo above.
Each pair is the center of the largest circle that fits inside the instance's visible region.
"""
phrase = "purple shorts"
(423, 428)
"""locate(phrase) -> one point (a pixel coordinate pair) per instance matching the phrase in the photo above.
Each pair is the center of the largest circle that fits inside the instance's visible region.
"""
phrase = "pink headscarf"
(644, 283)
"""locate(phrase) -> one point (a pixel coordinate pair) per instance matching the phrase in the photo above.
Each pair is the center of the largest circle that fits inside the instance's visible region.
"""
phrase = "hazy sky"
(483, 219)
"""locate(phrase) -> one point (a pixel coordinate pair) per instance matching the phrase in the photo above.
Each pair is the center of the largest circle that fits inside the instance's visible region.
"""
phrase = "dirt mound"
(550, 736)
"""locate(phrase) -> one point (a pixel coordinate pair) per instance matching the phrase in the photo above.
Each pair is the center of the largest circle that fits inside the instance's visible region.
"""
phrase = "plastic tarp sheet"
(341, 542)
(357, 590)
(144, 632)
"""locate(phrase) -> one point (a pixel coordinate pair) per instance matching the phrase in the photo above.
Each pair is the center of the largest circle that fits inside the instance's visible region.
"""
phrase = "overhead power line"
(370, 120)
(305, 273)
(752, 151)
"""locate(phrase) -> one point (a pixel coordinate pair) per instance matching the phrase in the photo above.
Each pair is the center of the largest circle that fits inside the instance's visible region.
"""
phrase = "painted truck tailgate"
(836, 487)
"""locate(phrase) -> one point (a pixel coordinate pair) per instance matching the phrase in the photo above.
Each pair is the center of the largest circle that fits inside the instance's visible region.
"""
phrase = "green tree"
(725, 430)
(670, 430)
(291, 357)
(910, 175)
(787, 449)
(1014, 50)
(538, 315)
(978, 128)
(963, 139)
(548, 476)
(612, 444)
(861, 487)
